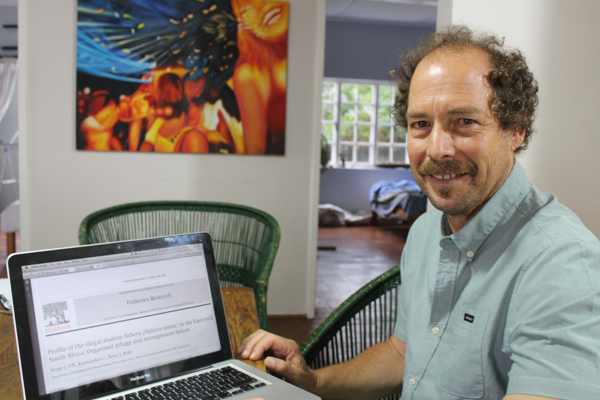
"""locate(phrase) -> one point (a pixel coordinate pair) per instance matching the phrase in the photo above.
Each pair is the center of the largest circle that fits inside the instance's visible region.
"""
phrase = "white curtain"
(8, 79)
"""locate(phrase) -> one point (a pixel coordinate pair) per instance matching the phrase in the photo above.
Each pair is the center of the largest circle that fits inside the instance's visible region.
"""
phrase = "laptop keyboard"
(221, 383)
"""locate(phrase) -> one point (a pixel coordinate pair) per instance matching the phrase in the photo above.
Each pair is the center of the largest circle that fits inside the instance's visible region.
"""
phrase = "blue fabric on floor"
(385, 196)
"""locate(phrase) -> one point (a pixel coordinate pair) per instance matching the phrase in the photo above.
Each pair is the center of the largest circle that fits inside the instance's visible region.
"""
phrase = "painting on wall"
(182, 76)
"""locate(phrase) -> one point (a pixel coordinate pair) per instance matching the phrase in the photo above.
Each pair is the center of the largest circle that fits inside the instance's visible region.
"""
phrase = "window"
(357, 125)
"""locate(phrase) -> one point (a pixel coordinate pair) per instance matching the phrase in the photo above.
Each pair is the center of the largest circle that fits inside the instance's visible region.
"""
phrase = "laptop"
(129, 320)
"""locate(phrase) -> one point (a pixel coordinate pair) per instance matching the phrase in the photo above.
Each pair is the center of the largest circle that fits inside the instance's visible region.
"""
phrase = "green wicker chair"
(364, 319)
(245, 239)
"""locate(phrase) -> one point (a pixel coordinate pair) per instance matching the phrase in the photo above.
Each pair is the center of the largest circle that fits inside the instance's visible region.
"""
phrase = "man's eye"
(467, 121)
(420, 124)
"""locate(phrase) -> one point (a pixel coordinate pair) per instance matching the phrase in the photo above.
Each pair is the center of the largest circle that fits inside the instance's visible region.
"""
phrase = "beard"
(452, 167)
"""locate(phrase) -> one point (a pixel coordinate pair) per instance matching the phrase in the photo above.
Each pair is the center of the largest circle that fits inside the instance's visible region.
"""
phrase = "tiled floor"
(361, 254)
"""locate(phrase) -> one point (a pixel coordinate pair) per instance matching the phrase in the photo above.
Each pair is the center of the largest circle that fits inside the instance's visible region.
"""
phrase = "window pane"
(399, 155)
(364, 133)
(347, 133)
(384, 134)
(383, 154)
(362, 153)
(386, 94)
(349, 92)
(328, 112)
(399, 134)
(328, 130)
(365, 113)
(356, 121)
(384, 114)
(346, 153)
(329, 91)
(365, 93)
(348, 113)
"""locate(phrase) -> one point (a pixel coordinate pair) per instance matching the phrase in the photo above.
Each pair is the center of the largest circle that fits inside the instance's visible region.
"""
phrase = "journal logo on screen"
(56, 316)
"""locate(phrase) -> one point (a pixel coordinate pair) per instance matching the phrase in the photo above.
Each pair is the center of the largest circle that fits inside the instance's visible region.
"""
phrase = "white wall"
(561, 40)
(60, 186)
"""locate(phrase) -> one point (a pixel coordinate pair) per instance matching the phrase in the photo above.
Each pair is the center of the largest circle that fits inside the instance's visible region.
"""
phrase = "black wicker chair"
(364, 319)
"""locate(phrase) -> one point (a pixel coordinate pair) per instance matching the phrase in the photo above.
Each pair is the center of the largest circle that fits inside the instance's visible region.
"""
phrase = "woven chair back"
(245, 239)
(366, 318)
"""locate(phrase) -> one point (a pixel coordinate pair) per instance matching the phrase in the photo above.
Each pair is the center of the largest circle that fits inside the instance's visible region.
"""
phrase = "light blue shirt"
(508, 304)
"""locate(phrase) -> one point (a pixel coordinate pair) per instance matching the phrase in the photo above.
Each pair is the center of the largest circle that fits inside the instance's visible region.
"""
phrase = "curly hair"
(514, 89)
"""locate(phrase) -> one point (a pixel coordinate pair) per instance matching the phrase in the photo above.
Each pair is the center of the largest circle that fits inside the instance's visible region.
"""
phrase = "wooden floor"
(3, 253)
(347, 259)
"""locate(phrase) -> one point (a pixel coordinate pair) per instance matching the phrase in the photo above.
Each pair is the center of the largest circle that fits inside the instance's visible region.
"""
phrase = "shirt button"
(470, 254)
(435, 330)
(412, 381)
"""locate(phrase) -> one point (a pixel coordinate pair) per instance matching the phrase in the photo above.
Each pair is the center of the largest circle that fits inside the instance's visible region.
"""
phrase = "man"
(501, 284)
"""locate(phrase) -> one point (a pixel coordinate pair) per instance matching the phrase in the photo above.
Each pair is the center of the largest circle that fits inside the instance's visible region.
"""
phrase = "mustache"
(449, 167)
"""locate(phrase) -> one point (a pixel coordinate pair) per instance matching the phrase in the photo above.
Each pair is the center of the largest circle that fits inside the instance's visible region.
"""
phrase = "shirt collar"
(501, 205)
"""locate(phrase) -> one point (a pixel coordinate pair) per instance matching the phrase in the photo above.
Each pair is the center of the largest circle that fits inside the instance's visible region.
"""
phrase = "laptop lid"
(101, 318)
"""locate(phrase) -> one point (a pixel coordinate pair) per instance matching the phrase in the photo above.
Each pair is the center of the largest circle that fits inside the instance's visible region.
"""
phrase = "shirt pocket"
(462, 374)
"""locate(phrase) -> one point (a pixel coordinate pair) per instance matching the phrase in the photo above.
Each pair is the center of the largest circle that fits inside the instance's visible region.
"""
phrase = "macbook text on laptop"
(131, 320)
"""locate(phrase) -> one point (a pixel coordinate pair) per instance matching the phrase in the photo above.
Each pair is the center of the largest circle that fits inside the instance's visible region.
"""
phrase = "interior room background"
(364, 50)
(9, 125)
(59, 185)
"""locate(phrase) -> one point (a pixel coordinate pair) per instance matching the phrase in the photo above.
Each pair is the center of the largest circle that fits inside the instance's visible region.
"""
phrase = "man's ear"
(517, 137)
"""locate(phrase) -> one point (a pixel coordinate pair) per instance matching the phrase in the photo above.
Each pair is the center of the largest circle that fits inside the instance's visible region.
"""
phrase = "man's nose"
(441, 144)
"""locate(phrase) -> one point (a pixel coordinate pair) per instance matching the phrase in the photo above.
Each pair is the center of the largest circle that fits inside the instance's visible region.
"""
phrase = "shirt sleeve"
(553, 328)
(403, 301)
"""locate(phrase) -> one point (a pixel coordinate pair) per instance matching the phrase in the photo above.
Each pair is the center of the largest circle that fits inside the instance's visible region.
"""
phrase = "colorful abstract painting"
(182, 76)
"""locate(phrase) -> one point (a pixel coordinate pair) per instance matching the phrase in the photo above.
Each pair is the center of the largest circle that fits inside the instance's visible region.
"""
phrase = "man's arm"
(374, 373)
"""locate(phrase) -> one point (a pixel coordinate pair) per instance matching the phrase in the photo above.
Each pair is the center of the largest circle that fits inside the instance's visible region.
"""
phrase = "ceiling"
(392, 11)
(397, 12)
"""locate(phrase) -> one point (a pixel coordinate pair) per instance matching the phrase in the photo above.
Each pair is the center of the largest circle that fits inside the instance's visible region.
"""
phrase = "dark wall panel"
(366, 50)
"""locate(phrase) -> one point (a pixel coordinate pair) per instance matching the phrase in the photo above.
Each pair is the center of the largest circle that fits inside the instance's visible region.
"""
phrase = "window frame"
(397, 141)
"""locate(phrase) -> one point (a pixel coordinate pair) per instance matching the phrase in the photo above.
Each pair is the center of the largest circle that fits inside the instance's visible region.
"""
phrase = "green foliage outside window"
(358, 126)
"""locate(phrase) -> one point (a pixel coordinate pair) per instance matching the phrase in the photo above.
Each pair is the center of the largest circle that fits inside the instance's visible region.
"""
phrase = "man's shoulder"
(556, 249)
(554, 221)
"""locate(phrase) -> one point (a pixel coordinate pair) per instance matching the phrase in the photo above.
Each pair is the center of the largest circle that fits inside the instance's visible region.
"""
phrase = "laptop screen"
(119, 315)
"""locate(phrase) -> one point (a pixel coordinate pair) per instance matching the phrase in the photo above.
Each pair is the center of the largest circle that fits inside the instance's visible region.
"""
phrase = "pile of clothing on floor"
(331, 215)
(397, 200)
